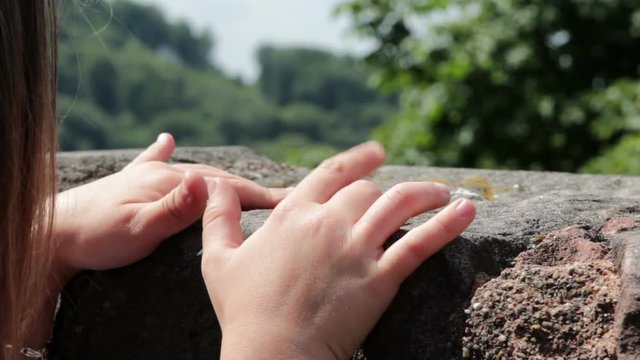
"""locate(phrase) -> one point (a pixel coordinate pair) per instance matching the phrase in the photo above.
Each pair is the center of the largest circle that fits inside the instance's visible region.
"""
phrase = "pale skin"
(313, 281)
(309, 284)
(122, 218)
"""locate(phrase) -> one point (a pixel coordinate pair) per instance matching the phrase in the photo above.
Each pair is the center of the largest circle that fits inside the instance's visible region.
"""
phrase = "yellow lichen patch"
(482, 184)
(478, 184)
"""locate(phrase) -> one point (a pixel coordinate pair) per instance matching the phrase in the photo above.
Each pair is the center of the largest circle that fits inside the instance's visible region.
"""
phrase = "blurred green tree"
(506, 84)
(289, 75)
(146, 22)
(127, 73)
(323, 97)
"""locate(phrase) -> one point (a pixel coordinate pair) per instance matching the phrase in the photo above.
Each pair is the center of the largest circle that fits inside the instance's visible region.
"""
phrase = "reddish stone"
(617, 225)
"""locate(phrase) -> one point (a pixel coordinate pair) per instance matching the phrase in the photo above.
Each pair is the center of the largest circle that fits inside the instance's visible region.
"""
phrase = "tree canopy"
(127, 73)
(508, 84)
(496, 84)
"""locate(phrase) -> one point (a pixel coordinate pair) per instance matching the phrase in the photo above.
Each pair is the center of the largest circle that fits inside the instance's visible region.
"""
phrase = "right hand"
(314, 279)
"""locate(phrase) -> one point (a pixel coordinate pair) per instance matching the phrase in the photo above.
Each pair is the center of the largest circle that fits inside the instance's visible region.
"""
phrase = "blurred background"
(506, 84)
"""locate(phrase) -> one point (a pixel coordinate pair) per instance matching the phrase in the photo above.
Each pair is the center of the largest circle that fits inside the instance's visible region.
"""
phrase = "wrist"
(63, 234)
(271, 342)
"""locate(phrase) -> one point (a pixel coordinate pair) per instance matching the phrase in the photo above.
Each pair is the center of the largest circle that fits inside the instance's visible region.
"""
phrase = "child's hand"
(122, 218)
(314, 280)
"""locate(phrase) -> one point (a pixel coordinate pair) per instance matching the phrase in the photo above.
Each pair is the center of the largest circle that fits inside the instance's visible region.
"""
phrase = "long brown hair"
(27, 161)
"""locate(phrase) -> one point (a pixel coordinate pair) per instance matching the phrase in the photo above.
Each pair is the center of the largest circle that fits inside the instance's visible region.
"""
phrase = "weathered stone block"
(158, 308)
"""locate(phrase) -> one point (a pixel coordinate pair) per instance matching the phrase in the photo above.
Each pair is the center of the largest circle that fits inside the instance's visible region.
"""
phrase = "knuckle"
(334, 165)
(416, 252)
(319, 221)
(443, 227)
(171, 205)
(149, 165)
(399, 194)
(283, 211)
(369, 187)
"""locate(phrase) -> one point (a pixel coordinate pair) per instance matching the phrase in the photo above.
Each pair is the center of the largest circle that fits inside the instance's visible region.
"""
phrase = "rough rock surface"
(558, 301)
(551, 243)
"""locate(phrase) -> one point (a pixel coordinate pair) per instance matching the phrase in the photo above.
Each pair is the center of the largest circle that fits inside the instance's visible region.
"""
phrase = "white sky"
(240, 26)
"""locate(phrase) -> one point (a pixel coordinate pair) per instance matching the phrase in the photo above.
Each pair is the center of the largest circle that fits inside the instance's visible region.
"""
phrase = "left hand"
(122, 218)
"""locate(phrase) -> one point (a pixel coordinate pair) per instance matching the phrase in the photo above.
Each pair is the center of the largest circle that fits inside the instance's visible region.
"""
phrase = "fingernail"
(444, 191)
(163, 138)
(375, 144)
(465, 208)
(369, 144)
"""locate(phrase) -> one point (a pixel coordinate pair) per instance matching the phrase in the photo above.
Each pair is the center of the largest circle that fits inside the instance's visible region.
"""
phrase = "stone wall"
(550, 269)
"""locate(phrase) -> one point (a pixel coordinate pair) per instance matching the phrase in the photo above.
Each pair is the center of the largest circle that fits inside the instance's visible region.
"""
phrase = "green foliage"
(126, 74)
(310, 75)
(156, 95)
(622, 158)
(324, 97)
(617, 110)
(296, 149)
(83, 129)
(506, 84)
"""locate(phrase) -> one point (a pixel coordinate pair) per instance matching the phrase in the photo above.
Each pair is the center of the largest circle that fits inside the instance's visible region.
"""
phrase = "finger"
(404, 256)
(203, 169)
(354, 199)
(175, 211)
(395, 207)
(221, 220)
(339, 171)
(160, 150)
(252, 196)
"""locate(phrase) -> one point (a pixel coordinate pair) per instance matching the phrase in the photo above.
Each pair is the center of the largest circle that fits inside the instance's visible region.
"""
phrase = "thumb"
(176, 210)
(160, 150)
(221, 219)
